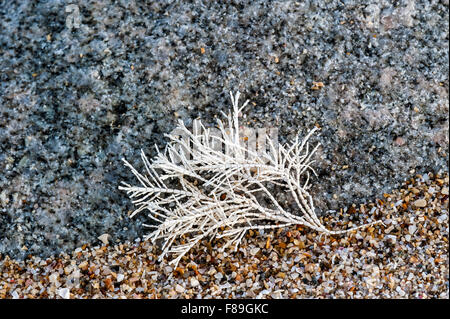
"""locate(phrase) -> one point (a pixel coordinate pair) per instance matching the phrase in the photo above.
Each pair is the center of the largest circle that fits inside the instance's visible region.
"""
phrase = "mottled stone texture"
(73, 101)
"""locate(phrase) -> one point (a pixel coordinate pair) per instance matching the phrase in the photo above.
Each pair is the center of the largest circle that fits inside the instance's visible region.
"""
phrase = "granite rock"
(83, 85)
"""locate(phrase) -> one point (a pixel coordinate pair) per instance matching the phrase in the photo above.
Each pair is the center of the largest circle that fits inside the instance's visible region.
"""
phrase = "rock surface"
(76, 95)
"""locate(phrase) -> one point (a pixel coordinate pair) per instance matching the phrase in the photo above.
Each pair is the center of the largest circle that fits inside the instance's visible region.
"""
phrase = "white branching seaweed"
(194, 191)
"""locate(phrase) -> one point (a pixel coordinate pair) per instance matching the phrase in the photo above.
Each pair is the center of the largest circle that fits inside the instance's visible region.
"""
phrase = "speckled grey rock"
(75, 98)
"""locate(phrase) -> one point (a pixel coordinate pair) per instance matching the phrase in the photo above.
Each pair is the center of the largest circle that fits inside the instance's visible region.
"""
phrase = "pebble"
(420, 203)
(391, 238)
(64, 293)
(179, 289)
(53, 278)
(310, 267)
(104, 238)
(442, 218)
(194, 282)
(400, 291)
(83, 265)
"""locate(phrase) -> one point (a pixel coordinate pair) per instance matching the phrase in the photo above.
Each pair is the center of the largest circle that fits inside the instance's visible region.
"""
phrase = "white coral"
(194, 191)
